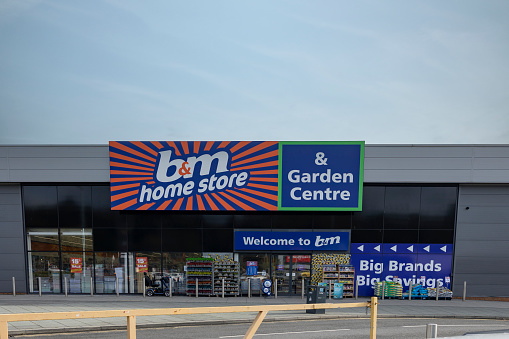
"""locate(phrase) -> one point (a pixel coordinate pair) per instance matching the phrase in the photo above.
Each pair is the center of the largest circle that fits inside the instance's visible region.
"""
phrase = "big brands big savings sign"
(236, 175)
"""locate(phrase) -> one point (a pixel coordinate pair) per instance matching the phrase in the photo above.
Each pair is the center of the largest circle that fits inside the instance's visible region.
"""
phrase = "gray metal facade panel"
(492, 265)
(482, 241)
(499, 248)
(12, 245)
(69, 151)
(37, 175)
(59, 163)
(417, 151)
(417, 163)
(481, 232)
(416, 176)
(383, 164)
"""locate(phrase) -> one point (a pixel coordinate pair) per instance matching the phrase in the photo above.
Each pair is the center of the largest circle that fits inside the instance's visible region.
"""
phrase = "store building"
(439, 213)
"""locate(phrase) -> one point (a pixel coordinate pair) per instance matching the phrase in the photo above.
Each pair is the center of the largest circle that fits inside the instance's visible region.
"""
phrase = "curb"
(238, 321)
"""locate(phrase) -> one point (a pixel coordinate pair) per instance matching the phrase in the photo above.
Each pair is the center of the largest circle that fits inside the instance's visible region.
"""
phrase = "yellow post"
(4, 330)
(256, 323)
(374, 303)
(131, 327)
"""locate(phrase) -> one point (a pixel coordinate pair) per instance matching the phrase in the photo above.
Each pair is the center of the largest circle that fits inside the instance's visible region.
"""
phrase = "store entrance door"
(291, 270)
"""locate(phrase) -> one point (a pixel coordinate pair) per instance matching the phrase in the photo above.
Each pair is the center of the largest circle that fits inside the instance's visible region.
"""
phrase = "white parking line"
(284, 333)
(465, 325)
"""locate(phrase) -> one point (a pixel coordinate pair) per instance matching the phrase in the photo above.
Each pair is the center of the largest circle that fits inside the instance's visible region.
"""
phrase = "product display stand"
(344, 274)
(228, 270)
(201, 270)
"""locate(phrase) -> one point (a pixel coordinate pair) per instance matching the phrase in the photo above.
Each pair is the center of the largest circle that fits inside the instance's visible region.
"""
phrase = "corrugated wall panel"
(482, 241)
(12, 245)
(383, 164)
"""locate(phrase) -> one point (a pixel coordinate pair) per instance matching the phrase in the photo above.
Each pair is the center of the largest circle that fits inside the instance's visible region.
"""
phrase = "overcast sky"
(387, 72)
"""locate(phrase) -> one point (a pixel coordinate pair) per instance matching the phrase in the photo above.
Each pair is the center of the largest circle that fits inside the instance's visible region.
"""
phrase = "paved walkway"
(79, 303)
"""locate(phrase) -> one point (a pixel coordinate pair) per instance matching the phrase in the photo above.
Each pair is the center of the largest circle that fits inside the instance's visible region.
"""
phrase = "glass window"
(46, 266)
(173, 266)
(110, 239)
(77, 268)
(292, 220)
(144, 239)
(401, 236)
(402, 205)
(108, 267)
(436, 236)
(76, 239)
(338, 220)
(366, 236)
(40, 205)
(144, 263)
(74, 206)
(143, 220)
(42, 239)
(252, 221)
(218, 240)
(438, 208)
(217, 221)
(182, 240)
(372, 215)
(103, 216)
(181, 221)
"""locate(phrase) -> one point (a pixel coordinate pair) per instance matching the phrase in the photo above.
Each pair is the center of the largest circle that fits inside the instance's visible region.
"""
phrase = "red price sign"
(142, 264)
(76, 265)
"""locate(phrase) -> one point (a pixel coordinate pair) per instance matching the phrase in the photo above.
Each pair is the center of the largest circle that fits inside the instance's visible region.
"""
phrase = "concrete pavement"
(475, 309)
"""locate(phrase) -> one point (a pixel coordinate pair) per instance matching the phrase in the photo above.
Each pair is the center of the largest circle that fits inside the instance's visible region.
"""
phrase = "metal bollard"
(356, 289)
(431, 331)
(275, 288)
(171, 287)
(410, 291)
(196, 287)
(91, 286)
(249, 287)
(13, 286)
(117, 286)
(330, 290)
(464, 290)
(144, 288)
(40, 286)
(383, 290)
(302, 289)
(436, 286)
(65, 283)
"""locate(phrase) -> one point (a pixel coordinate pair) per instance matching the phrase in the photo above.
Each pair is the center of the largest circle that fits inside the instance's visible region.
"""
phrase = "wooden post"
(4, 332)
(256, 323)
(374, 303)
(131, 327)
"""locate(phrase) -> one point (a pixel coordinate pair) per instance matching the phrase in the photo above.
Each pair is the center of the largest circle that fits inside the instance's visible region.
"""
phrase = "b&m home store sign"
(236, 175)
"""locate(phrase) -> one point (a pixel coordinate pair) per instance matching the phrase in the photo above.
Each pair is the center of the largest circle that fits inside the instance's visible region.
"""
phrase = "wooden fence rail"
(132, 314)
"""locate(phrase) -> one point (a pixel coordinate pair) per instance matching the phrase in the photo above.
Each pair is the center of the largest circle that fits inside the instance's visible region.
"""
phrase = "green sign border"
(361, 175)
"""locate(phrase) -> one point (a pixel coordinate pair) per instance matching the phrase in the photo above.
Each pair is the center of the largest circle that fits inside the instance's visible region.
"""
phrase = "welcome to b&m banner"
(236, 175)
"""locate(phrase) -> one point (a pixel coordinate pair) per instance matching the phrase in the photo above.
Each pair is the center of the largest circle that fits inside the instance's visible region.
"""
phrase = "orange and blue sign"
(235, 175)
